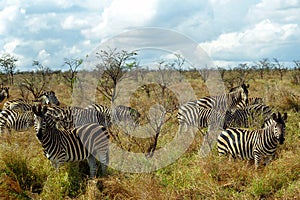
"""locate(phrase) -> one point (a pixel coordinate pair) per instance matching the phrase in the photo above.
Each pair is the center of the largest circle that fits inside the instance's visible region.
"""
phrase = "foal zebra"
(11, 119)
(4, 93)
(89, 141)
(256, 144)
(48, 97)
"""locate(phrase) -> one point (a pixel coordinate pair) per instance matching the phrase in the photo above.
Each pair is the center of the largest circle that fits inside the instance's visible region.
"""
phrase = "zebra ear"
(274, 116)
(279, 115)
(284, 116)
(34, 109)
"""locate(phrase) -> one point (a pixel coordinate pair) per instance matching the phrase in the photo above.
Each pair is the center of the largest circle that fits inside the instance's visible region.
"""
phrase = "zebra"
(192, 115)
(251, 101)
(90, 141)
(124, 113)
(241, 117)
(118, 113)
(70, 117)
(255, 144)
(4, 93)
(11, 119)
(48, 97)
(211, 110)
(226, 101)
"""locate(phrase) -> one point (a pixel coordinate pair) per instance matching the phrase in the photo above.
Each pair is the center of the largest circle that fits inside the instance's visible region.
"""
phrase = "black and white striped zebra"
(190, 114)
(211, 110)
(13, 120)
(89, 141)
(70, 117)
(226, 101)
(4, 93)
(48, 97)
(253, 145)
(254, 114)
(251, 101)
(119, 113)
(122, 113)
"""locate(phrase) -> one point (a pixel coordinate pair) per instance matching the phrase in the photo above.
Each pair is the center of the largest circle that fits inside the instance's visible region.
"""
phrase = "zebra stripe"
(192, 115)
(48, 97)
(118, 113)
(251, 101)
(256, 113)
(70, 117)
(256, 144)
(122, 113)
(11, 119)
(4, 93)
(84, 142)
(226, 101)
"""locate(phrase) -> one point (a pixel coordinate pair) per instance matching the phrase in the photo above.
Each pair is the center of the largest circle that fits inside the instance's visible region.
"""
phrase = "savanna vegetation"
(25, 173)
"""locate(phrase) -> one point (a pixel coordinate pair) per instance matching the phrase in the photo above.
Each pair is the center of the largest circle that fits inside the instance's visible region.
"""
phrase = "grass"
(25, 173)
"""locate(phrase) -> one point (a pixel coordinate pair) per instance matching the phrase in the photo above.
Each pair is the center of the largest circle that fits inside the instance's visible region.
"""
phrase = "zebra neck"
(269, 134)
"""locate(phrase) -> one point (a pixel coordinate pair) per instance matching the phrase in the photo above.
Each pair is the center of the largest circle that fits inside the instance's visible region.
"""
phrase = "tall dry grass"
(25, 173)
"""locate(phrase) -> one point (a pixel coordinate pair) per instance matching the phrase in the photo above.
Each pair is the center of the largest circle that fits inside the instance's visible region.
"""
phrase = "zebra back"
(226, 101)
(48, 97)
(122, 113)
(252, 115)
(11, 119)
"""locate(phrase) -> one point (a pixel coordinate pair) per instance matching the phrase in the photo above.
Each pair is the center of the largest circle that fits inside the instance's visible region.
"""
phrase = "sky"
(229, 31)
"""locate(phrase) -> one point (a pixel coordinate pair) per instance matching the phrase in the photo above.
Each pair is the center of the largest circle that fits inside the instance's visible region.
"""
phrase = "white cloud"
(227, 29)
(259, 41)
(11, 46)
(7, 17)
(279, 10)
(73, 22)
(121, 15)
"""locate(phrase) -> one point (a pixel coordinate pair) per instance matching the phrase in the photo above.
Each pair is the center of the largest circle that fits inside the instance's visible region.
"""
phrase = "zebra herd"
(66, 133)
(232, 110)
(76, 133)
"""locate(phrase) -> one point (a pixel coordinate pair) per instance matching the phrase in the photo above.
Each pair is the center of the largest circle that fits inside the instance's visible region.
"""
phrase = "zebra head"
(4, 92)
(39, 119)
(240, 93)
(279, 128)
(48, 97)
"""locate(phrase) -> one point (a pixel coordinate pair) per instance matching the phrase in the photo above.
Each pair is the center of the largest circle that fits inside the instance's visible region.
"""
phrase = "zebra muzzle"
(281, 139)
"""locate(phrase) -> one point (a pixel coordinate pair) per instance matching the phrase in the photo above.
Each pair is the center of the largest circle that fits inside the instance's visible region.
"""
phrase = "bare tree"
(113, 65)
(71, 75)
(36, 81)
(280, 68)
(179, 61)
(8, 63)
(262, 66)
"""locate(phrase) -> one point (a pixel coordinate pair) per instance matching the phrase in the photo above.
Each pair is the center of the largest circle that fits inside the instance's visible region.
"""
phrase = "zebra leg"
(256, 160)
(104, 159)
(93, 166)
